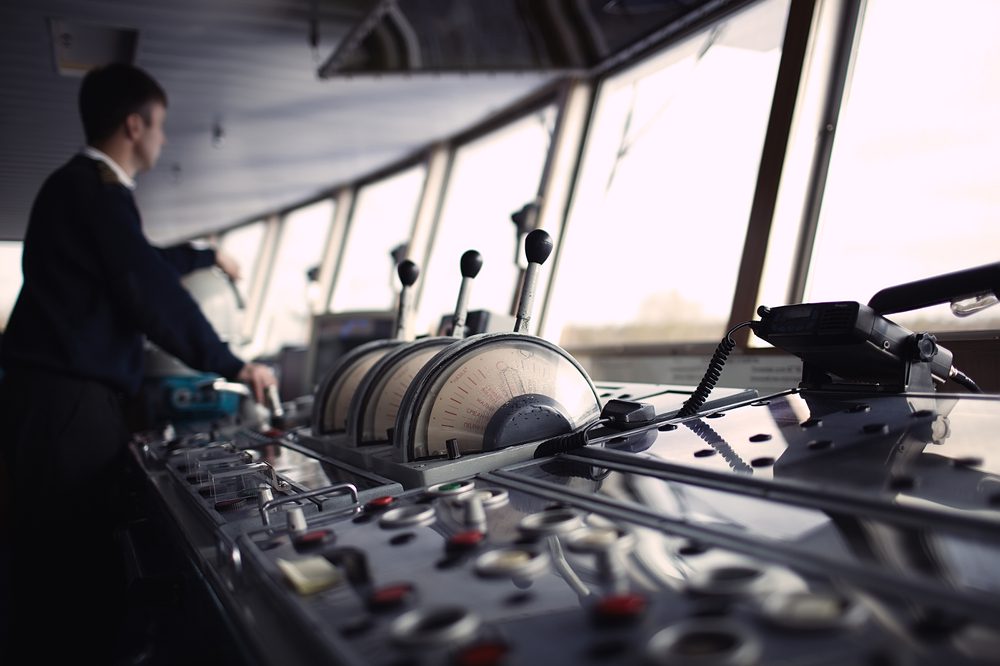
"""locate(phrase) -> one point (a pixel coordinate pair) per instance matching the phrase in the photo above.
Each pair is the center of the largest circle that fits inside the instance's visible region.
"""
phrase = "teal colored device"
(187, 398)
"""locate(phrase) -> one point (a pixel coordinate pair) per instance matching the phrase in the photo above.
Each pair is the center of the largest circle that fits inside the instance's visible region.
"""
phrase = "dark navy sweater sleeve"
(93, 286)
(185, 258)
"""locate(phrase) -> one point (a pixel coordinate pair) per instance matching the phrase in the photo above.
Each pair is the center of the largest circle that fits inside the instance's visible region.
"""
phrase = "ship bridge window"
(381, 224)
(244, 245)
(912, 189)
(290, 299)
(654, 237)
(10, 278)
(491, 177)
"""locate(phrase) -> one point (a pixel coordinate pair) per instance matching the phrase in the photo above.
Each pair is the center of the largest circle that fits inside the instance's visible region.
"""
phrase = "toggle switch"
(608, 545)
(296, 520)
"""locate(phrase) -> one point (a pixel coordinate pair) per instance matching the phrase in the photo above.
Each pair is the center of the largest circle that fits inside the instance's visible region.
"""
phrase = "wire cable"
(572, 440)
(712, 374)
(963, 379)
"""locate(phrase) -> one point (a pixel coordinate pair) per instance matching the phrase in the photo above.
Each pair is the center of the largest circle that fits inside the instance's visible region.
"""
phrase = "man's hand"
(228, 265)
(258, 377)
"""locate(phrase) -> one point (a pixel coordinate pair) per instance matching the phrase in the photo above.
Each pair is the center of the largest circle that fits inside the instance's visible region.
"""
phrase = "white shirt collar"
(125, 179)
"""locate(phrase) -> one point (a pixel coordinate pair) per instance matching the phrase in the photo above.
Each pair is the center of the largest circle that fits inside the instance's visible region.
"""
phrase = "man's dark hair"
(111, 93)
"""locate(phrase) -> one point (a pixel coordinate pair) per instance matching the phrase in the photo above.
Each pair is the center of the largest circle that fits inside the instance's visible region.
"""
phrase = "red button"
(274, 432)
(312, 538)
(380, 502)
(390, 596)
(620, 608)
(464, 540)
(482, 654)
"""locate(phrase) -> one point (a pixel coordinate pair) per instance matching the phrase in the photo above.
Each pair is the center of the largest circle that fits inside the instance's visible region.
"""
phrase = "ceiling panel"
(248, 66)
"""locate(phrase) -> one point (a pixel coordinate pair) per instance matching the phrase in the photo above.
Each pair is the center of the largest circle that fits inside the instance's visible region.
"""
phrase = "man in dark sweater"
(72, 353)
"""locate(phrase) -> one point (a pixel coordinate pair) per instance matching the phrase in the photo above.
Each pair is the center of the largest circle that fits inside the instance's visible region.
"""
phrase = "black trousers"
(63, 442)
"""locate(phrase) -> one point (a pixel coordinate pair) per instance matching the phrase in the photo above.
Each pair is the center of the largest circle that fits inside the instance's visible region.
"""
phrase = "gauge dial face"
(335, 410)
(388, 395)
(485, 377)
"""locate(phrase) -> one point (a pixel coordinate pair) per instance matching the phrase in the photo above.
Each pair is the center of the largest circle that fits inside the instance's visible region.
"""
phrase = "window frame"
(819, 47)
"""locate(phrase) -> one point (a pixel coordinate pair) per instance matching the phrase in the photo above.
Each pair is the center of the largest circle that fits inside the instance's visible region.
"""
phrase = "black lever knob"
(538, 246)
(472, 263)
(408, 272)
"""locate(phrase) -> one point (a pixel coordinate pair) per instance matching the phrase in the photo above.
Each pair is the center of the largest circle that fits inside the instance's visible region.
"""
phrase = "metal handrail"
(338, 489)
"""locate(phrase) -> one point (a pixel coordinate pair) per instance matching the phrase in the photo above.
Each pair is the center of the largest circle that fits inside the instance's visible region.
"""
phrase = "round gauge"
(333, 397)
(492, 391)
(376, 400)
(390, 398)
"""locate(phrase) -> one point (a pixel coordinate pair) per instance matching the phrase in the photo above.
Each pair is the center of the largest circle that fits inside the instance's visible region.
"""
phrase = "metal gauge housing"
(380, 393)
(492, 391)
(333, 397)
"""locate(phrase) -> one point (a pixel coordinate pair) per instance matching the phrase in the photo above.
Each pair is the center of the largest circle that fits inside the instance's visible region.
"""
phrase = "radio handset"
(844, 344)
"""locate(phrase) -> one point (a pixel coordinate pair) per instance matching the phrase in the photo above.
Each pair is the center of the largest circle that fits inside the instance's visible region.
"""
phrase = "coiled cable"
(715, 440)
(712, 374)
